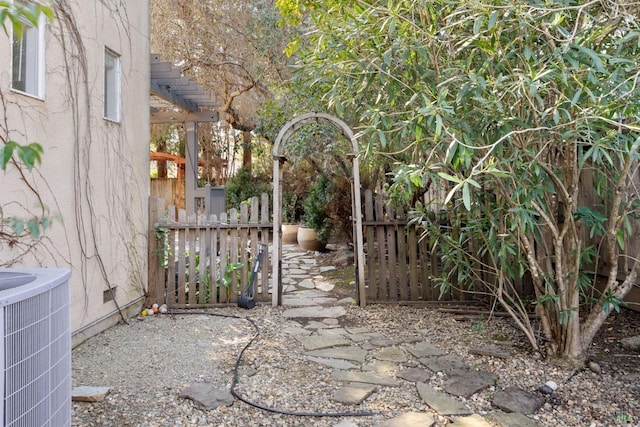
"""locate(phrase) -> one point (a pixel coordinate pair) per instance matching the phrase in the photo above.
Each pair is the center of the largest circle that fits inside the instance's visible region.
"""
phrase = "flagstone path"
(307, 296)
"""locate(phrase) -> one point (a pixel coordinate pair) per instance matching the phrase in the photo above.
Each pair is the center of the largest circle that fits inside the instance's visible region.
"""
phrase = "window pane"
(111, 86)
(25, 60)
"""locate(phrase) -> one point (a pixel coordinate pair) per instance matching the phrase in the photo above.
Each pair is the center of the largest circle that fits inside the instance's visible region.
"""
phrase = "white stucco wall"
(94, 177)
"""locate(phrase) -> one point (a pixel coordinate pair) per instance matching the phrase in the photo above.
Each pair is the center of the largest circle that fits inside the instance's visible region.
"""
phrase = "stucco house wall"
(94, 178)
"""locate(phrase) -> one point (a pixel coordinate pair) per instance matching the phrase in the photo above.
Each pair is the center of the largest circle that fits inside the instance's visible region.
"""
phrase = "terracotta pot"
(308, 241)
(290, 233)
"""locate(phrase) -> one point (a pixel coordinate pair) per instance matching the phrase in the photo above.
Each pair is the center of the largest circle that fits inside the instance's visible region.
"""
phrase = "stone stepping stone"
(380, 367)
(315, 312)
(391, 354)
(410, 419)
(317, 342)
(325, 287)
(416, 375)
(513, 420)
(333, 363)
(356, 331)
(207, 397)
(307, 284)
(297, 301)
(353, 394)
(514, 399)
(297, 330)
(474, 420)
(318, 326)
(446, 363)
(467, 383)
(492, 351)
(352, 354)
(334, 331)
(389, 342)
(363, 337)
(425, 349)
(326, 268)
(89, 394)
(365, 377)
(440, 402)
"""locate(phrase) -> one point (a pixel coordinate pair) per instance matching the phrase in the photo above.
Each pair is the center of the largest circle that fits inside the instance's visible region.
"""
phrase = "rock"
(474, 420)
(594, 367)
(353, 394)
(514, 399)
(631, 343)
(445, 363)
(318, 342)
(440, 402)
(410, 419)
(207, 397)
(365, 377)
(414, 375)
(391, 354)
(89, 394)
(467, 383)
(425, 349)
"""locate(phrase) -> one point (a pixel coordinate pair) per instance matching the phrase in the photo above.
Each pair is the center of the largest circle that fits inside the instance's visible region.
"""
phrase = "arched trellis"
(285, 133)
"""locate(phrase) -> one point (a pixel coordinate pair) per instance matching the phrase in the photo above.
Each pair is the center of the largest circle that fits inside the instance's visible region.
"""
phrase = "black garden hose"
(236, 380)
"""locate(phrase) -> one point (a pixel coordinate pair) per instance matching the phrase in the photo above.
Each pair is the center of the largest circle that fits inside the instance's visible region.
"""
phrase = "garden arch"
(285, 133)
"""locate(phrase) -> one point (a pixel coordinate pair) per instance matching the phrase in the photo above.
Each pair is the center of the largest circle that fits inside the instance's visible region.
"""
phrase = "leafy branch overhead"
(522, 117)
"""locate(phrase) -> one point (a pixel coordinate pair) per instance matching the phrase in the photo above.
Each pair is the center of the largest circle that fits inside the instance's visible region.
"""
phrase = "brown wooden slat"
(412, 242)
(370, 258)
(193, 252)
(233, 254)
(242, 250)
(182, 239)
(391, 231)
(223, 291)
(383, 294)
(402, 257)
(205, 263)
(265, 267)
(425, 270)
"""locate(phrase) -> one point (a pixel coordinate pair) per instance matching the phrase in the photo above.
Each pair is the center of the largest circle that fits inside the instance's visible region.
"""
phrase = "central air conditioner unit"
(35, 358)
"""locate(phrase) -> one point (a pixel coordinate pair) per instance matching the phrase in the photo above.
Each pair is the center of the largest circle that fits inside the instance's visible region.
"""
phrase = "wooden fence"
(203, 261)
(398, 265)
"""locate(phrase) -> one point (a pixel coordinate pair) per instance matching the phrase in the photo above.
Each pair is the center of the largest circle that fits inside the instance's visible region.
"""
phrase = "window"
(111, 85)
(28, 58)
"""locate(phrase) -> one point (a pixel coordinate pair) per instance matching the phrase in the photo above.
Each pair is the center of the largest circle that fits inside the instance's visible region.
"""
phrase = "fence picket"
(382, 249)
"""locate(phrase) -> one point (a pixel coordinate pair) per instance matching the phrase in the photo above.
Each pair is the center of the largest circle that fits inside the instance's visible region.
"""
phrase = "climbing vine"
(104, 226)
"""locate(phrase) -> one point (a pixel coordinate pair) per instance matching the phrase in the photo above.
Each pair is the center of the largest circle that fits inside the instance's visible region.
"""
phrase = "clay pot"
(308, 240)
(290, 233)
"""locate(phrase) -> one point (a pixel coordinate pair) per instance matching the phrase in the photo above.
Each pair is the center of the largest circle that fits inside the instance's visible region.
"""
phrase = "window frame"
(36, 75)
(112, 105)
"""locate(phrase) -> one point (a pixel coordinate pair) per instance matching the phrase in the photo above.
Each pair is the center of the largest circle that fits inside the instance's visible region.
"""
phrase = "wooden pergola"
(176, 99)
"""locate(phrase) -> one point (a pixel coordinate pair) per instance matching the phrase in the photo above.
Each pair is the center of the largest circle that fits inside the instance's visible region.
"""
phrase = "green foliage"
(244, 185)
(16, 14)
(511, 109)
(29, 155)
(289, 203)
(315, 205)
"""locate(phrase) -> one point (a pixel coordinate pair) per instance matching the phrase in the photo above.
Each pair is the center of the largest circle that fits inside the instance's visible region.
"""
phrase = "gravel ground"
(148, 362)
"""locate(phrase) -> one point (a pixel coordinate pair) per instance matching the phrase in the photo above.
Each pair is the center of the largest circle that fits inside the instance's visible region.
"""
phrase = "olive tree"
(526, 115)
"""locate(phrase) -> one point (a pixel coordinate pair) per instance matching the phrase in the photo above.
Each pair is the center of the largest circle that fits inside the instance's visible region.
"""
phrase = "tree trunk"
(246, 150)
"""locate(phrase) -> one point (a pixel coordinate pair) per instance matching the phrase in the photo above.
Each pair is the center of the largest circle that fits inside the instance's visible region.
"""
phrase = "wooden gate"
(206, 261)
